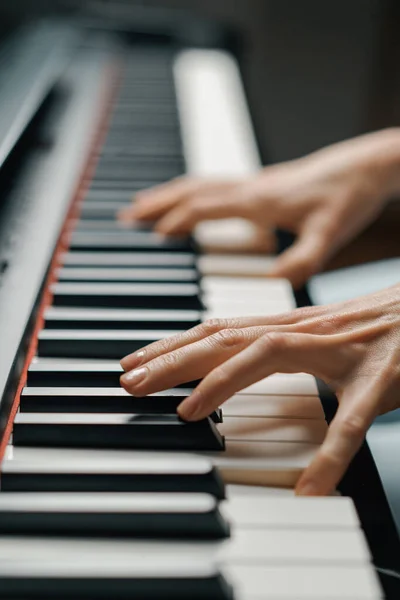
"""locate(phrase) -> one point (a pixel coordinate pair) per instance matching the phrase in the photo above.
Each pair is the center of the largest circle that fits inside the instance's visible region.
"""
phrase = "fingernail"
(134, 377)
(133, 360)
(307, 489)
(189, 408)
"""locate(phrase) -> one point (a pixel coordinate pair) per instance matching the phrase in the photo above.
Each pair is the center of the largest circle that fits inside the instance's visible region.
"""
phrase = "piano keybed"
(104, 495)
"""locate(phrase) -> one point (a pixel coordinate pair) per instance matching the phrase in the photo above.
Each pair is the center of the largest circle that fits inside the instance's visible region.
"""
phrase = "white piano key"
(294, 545)
(219, 141)
(263, 405)
(250, 508)
(239, 265)
(75, 364)
(96, 558)
(241, 310)
(270, 429)
(246, 546)
(96, 391)
(98, 461)
(298, 384)
(125, 274)
(243, 300)
(115, 314)
(107, 502)
(263, 463)
(105, 334)
(294, 582)
(122, 289)
(239, 284)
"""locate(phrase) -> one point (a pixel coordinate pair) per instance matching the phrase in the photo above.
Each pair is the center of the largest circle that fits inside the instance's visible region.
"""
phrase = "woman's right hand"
(325, 199)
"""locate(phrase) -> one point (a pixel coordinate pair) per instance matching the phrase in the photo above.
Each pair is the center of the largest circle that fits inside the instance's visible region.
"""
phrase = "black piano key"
(127, 275)
(123, 318)
(115, 431)
(103, 400)
(102, 209)
(107, 225)
(127, 295)
(133, 167)
(164, 117)
(109, 196)
(148, 147)
(153, 170)
(125, 241)
(112, 514)
(40, 569)
(82, 343)
(52, 470)
(126, 108)
(144, 260)
(63, 373)
(97, 193)
(120, 184)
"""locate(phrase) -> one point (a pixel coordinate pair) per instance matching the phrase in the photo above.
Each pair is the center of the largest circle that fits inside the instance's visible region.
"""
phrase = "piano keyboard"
(108, 496)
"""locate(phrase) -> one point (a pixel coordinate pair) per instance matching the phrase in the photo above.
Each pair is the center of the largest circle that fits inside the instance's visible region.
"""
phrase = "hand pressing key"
(325, 199)
(353, 346)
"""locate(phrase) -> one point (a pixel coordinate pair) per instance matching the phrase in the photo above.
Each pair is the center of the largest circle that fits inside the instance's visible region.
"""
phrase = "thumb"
(305, 257)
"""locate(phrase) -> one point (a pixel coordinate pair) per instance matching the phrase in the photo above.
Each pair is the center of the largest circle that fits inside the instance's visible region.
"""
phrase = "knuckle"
(211, 326)
(193, 208)
(308, 265)
(353, 426)
(161, 347)
(221, 376)
(330, 459)
(273, 341)
(228, 338)
(170, 361)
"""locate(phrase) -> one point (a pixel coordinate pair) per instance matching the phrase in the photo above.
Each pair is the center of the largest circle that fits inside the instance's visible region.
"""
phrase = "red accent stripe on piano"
(112, 75)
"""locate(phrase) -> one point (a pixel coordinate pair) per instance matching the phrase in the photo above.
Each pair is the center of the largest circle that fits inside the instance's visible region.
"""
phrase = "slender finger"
(358, 408)
(212, 326)
(153, 203)
(272, 353)
(192, 362)
(305, 257)
(180, 340)
(223, 205)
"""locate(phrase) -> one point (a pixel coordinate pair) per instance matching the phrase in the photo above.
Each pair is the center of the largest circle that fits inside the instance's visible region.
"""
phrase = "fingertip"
(306, 488)
(133, 360)
(166, 228)
(189, 409)
(124, 214)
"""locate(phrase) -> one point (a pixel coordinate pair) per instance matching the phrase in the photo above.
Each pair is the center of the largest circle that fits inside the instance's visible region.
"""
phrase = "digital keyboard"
(106, 495)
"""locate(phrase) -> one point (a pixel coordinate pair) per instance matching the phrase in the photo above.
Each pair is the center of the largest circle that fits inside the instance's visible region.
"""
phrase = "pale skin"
(326, 199)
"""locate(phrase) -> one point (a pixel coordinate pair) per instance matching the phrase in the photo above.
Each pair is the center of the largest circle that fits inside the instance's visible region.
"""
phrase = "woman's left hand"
(353, 346)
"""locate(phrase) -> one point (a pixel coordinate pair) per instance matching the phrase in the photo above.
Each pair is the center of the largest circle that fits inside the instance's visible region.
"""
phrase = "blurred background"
(315, 72)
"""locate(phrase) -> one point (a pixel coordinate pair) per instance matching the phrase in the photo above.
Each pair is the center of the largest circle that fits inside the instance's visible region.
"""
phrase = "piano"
(103, 495)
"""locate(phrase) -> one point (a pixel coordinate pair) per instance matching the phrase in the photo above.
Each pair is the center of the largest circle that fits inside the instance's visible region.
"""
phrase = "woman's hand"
(325, 199)
(353, 346)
